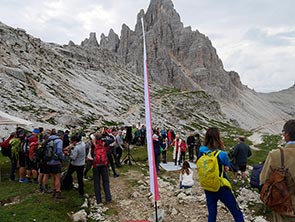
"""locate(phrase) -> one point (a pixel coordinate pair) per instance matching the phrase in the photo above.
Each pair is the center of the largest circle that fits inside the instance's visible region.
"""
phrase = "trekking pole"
(156, 211)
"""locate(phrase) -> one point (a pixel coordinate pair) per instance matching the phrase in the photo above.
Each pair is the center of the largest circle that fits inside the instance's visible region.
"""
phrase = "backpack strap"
(282, 158)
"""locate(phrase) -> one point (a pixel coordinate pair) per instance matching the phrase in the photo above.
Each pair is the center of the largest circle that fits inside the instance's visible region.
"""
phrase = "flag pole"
(148, 118)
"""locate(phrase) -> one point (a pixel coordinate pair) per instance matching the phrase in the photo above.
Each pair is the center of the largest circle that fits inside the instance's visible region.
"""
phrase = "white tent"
(6, 119)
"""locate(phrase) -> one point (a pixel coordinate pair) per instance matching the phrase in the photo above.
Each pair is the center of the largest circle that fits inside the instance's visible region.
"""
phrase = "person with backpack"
(42, 164)
(100, 169)
(273, 161)
(255, 174)
(31, 164)
(215, 185)
(77, 153)
(6, 151)
(54, 158)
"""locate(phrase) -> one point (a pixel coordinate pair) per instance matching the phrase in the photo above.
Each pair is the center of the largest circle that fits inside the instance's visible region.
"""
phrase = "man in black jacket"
(190, 141)
(240, 155)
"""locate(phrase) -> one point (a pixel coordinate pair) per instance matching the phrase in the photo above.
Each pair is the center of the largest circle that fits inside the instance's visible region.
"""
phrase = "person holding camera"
(119, 148)
(77, 154)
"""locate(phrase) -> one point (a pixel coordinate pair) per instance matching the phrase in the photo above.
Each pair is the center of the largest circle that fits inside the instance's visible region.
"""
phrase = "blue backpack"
(255, 174)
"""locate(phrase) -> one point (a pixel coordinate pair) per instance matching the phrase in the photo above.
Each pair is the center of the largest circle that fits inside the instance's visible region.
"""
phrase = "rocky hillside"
(102, 84)
(74, 85)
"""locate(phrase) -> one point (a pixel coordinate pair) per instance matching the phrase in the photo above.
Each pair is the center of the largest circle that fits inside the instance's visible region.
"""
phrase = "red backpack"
(100, 154)
(5, 147)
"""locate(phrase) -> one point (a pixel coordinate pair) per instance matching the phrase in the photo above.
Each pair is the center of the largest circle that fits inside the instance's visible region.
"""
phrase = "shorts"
(22, 159)
(30, 165)
(44, 168)
(54, 169)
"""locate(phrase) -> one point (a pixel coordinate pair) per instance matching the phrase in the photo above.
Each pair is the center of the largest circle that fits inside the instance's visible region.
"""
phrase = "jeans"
(101, 173)
(226, 196)
(157, 162)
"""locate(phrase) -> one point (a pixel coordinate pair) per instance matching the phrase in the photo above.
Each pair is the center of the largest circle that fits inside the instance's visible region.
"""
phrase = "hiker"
(6, 151)
(119, 148)
(100, 169)
(182, 151)
(240, 157)
(31, 164)
(18, 154)
(164, 146)
(157, 152)
(110, 143)
(43, 167)
(186, 176)
(142, 135)
(54, 164)
(89, 157)
(190, 141)
(76, 152)
(224, 194)
(177, 150)
(198, 143)
(273, 161)
(65, 139)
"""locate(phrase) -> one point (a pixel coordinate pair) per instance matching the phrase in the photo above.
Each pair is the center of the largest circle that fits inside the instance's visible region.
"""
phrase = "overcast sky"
(255, 38)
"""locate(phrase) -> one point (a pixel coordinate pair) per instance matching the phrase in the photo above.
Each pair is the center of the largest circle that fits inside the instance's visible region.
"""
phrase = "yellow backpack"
(208, 171)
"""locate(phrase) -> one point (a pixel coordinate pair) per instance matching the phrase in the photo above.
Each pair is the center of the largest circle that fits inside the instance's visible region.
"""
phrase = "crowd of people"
(35, 156)
(41, 154)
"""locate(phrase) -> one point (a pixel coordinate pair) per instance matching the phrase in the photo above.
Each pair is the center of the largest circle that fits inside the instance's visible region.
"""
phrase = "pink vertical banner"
(148, 119)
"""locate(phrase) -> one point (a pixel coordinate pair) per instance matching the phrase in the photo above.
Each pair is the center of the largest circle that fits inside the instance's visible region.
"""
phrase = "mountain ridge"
(101, 83)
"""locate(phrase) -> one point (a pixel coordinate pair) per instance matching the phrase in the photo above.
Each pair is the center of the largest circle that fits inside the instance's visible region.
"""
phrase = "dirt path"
(133, 201)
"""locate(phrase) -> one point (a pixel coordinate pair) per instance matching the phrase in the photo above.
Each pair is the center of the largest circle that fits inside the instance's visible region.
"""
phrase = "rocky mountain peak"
(91, 42)
(110, 42)
(178, 57)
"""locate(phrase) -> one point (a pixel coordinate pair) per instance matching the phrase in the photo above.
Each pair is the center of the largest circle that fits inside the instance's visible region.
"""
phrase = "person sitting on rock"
(186, 176)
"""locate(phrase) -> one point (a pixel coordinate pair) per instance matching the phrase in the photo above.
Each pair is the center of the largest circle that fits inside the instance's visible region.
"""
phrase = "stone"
(80, 216)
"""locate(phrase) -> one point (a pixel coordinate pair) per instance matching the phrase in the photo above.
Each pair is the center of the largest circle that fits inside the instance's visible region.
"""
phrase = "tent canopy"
(6, 119)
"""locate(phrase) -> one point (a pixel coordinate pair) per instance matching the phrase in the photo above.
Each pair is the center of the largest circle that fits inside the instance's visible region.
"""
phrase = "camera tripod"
(128, 157)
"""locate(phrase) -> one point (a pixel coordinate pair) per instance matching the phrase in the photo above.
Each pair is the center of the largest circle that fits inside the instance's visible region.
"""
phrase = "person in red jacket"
(182, 151)
(100, 169)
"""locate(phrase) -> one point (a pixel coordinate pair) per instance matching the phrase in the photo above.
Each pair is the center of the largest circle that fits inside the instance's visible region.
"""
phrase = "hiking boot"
(41, 189)
(116, 175)
(53, 193)
(47, 190)
(58, 195)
